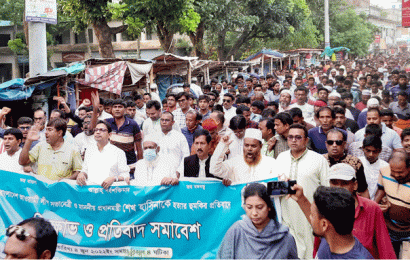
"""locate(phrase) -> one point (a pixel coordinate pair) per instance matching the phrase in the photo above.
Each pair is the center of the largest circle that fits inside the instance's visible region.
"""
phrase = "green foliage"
(18, 46)
(135, 25)
(167, 17)
(85, 12)
(12, 10)
(352, 31)
(233, 25)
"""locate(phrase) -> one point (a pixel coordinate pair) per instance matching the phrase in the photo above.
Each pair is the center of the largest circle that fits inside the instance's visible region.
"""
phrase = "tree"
(96, 13)
(167, 17)
(352, 31)
(245, 20)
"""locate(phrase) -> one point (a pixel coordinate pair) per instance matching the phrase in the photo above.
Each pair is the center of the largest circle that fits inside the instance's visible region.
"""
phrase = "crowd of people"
(338, 129)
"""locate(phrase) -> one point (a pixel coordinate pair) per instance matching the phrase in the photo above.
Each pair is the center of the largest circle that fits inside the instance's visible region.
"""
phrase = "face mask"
(150, 155)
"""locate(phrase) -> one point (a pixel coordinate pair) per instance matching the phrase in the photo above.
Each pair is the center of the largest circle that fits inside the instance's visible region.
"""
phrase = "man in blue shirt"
(193, 118)
(317, 135)
(402, 86)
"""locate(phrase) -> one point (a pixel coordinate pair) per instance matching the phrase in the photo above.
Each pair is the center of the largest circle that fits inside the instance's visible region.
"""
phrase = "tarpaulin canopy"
(112, 74)
(56, 73)
(16, 90)
(266, 53)
(329, 51)
(171, 64)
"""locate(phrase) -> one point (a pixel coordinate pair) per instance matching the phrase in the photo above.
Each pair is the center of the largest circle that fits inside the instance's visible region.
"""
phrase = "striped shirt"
(125, 137)
(398, 194)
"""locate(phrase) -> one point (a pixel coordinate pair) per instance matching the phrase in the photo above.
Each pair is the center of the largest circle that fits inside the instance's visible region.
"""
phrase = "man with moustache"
(252, 166)
(197, 165)
(310, 170)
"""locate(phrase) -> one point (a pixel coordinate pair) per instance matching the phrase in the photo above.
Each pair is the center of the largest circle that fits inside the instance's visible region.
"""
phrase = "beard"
(284, 104)
(254, 161)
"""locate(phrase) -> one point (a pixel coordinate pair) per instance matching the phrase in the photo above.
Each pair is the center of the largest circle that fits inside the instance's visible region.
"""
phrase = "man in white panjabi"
(251, 166)
(310, 170)
(155, 168)
(104, 163)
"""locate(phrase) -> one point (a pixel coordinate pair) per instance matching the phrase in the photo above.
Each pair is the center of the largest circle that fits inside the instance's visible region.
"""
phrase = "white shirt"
(372, 172)
(236, 147)
(150, 127)
(307, 110)
(84, 141)
(389, 137)
(310, 171)
(151, 173)
(141, 111)
(104, 115)
(111, 161)
(229, 114)
(11, 163)
(175, 145)
(196, 89)
(238, 170)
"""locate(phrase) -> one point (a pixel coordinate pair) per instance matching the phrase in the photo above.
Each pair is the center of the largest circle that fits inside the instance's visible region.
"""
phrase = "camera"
(278, 188)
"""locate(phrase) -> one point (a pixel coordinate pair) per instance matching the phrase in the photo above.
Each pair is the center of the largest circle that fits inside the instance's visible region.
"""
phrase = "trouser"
(132, 171)
(397, 239)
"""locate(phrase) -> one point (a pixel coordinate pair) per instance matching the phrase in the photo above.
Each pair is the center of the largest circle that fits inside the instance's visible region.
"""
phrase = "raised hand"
(34, 133)
(226, 140)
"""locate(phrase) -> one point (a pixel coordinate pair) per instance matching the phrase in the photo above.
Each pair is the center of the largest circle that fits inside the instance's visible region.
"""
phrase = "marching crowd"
(338, 129)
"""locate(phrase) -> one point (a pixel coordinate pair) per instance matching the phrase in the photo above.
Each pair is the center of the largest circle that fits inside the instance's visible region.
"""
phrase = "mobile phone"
(276, 188)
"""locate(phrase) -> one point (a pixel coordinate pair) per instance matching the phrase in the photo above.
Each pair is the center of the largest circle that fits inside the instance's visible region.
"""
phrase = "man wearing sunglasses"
(310, 170)
(33, 238)
(335, 144)
(229, 109)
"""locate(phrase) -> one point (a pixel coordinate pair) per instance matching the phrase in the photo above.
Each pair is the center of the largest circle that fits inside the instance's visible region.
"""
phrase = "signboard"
(405, 13)
(377, 39)
(186, 221)
(43, 11)
(72, 56)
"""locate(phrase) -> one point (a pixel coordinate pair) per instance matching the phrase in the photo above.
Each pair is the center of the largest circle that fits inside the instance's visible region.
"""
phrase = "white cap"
(153, 86)
(286, 91)
(151, 138)
(335, 94)
(373, 102)
(329, 88)
(341, 171)
(254, 133)
(366, 92)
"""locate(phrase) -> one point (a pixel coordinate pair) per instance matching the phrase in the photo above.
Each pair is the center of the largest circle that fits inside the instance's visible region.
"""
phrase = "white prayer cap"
(151, 138)
(329, 88)
(335, 94)
(286, 91)
(254, 133)
(373, 102)
(341, 171)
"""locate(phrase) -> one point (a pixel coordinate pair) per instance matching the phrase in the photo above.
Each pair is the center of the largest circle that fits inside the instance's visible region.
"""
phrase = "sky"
(383, 3)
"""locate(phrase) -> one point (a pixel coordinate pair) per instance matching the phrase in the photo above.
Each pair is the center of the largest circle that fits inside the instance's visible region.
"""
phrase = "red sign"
(405, 15)
(377, 39)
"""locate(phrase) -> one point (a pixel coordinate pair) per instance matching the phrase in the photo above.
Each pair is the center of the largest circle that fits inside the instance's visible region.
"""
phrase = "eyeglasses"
(212, 99)
(227, 100)
(338, 142)
(20, 232)
(295, 137)
(24, 127)
(100, 129)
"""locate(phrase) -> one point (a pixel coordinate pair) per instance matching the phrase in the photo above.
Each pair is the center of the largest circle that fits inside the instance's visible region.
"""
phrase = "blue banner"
(184, 221)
